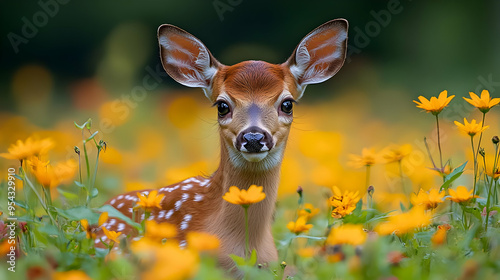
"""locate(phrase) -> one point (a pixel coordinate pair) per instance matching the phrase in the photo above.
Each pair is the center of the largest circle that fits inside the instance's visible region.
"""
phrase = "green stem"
(367, 181)
(464, 217)
(91, 186)
(44, 206)
(474, 155)
(247, 250)
(488, 200)
(475, 152)
(439, 147)
(407, 193)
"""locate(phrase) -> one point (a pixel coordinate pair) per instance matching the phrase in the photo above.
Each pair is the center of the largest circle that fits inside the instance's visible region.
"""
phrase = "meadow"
(410, 199)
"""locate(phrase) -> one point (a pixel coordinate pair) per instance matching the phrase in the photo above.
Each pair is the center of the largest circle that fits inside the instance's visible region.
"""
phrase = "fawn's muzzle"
(254, 140)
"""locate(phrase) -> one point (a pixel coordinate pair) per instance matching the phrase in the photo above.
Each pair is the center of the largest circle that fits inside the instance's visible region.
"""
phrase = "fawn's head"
(254, 99)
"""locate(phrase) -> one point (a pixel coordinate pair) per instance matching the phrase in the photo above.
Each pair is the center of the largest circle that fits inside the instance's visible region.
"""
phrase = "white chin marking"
(254, 157)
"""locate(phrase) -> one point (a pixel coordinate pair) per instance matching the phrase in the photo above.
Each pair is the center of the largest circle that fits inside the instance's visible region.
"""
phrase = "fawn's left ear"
(186, 59)
(320, 54)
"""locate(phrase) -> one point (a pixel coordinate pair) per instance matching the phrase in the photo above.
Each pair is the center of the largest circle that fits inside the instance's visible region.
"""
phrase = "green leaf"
(253, 258)
(112, 212)
(95, 192)
(78, 213)
(67, 195)
(403, 208)
(92, 136)
(453, 176)
(240, 261)
(80, 126)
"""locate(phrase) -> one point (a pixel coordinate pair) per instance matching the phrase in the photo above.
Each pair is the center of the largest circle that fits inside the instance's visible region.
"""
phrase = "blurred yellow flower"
(396, 153)
(347, 234)
(24, 150)
(112, 235)
(495, 175)
(471, 128)
(102, 218)
(111, 156)
(460, 195)
(434, 105)
(307, 252)
(429, 200)
(484, 103)
(50, 176)
(201, 241)
(299, 226)
(166, 261)
(308, 211)
(343, 204)
(70, 275)
(368, 157)
(159, 231)
(150, 201)
(405, 223)
(253, 195)
(439, 237)
(91, 230)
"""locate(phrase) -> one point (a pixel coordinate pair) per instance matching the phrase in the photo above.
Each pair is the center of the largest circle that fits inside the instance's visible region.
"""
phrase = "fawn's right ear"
(186, 59)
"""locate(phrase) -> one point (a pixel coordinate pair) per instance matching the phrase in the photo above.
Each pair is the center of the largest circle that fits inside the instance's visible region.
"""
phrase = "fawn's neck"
(228, 219)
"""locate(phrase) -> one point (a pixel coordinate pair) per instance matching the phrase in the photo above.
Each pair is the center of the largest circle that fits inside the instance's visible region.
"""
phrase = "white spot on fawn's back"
(169, 214)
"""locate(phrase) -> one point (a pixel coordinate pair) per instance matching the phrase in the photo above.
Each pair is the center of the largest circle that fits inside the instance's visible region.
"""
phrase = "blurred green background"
(79, 58)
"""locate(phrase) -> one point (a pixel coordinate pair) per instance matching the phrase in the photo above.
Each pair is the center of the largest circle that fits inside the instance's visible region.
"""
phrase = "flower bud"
(481, 152)
(371, 190)
(77, 150)
(495, 140)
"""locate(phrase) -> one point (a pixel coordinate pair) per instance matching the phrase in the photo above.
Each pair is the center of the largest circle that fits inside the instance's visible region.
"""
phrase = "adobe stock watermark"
(11, 220)
(363, 36)
(31, 26)
(223, 6)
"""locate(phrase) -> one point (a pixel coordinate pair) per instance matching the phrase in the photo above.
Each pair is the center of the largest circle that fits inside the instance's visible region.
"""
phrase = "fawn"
(254, 100)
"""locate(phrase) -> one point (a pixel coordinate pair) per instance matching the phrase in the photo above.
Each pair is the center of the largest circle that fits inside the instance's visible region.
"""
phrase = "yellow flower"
(460, 195)
(102, 218)
(253, 195)
(307, 252)
(495, 175)
(70, 275)
(395, 154)
(405, 222)
(484, 103)
(434, 105)
(299, 226)
(471, 128)
(50, 176)
(343, 204)
(24, 150)
(347, 234)
(159, 231)
(429, 200)
(308, 211)
(201, 241)
(439, 237)
(112, 235)
(150, 201)
(166, 261)
(91, 230)
(368, 157)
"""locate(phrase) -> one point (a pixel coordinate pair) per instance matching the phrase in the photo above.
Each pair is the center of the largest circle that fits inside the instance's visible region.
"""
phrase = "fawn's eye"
(287, 107)
(222, 108)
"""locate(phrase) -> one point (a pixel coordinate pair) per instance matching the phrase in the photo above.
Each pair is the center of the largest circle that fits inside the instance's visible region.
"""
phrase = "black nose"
(253, 140)
(253, 144)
